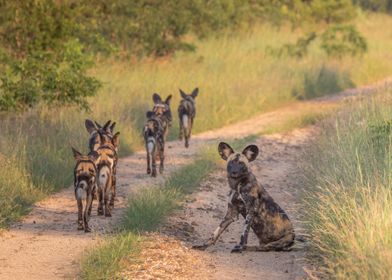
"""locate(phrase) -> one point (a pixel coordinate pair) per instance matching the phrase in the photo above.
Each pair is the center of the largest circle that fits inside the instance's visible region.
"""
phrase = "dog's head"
(189, 97)
(162, 108)
(107, 144)
(238, 163)
(85, 171)
(101, 135)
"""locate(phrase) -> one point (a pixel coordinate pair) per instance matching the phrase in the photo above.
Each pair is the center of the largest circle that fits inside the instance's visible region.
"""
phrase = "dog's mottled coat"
(249, 198)
(85, 184)
(155, 132)
(186, 114)
(100, 136)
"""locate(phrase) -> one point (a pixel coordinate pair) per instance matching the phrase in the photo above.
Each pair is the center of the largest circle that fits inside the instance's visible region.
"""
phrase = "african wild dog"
(106, 168)
(154, 138)
(186, 114)
(155, 132)
(107, 132)
(248, 198)
(85, 181)
(93, 128)
(162, 110)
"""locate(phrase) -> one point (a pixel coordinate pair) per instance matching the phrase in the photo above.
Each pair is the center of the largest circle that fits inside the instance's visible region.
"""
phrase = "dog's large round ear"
(90, 126)
(224, 150)
(251, 152)
(106, 126)
(77, 155)
(101, 137)
(182, 93)
(195, 92)
(168, 99)
(98, 125)
(156, 98)
(111, 128)
(116, 139)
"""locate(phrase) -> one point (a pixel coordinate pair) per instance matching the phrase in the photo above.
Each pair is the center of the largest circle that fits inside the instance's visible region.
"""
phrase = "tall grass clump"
(348, 199)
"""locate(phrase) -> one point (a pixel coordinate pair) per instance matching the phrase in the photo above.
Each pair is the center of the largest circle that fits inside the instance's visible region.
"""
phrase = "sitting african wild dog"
(107, 131)
(106, 173)
(248, 198)
(186, 114)
(85, 182)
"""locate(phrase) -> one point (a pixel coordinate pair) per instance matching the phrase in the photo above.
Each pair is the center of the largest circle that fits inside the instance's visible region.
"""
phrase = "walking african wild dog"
(85, 183)
(93, 128)
(248, 198)
(106, 173)
(162, 110)
(101, 136)
(186, 114)
(155, 132)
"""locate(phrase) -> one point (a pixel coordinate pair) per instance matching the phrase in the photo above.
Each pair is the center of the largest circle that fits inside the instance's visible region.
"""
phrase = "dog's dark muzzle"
(236, 170)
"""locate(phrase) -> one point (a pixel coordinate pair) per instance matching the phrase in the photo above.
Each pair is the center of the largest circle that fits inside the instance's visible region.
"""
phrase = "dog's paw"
(237, 249)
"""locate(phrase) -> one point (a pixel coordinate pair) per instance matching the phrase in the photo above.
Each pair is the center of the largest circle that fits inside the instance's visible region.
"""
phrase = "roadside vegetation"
(348, 197)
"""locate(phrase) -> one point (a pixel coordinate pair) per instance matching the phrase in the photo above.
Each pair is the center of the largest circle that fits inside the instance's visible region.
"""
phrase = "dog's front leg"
(230, 217)
(252, 206)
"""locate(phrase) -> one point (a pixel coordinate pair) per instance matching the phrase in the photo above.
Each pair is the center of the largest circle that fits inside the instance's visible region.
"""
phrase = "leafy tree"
(47, 46)
(375, 5)
(40, 58)
(328, 23)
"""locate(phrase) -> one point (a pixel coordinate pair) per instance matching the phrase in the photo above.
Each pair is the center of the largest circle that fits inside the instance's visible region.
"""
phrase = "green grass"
(348, 197)
(107, 258)
(299, 117)
(237, 80)
(145, 212)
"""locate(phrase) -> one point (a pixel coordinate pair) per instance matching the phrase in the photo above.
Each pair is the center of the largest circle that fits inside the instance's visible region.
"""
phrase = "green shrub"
(342, 40)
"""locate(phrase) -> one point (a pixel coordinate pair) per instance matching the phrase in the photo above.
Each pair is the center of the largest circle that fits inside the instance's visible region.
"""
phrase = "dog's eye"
(111, 156)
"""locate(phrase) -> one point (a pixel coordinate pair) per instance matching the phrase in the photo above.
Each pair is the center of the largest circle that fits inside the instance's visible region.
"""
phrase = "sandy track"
(46, 244)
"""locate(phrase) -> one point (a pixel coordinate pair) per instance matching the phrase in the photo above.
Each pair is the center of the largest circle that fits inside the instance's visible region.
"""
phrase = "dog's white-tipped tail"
(80, 190)
(103, 176)
(150, 144)
(185, 121)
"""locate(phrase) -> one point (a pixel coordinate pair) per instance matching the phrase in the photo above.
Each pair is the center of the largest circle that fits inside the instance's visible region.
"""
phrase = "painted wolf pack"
(95, 176)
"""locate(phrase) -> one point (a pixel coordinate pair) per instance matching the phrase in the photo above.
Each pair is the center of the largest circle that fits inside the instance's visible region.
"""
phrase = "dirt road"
(46, 244)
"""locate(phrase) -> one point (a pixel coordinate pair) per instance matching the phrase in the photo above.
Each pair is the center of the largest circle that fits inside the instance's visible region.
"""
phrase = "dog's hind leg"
(80, 214)
(89, 202)
(283, 244)
(161, 157)
(181, 130)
